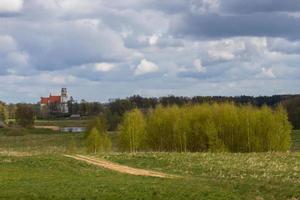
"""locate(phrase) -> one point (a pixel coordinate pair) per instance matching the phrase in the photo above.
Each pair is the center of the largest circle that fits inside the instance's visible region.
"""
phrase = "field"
(33, 167)
(62, 123)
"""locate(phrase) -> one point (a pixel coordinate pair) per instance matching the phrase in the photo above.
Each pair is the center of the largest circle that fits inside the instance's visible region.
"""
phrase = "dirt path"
(54, 128)
(120, 168)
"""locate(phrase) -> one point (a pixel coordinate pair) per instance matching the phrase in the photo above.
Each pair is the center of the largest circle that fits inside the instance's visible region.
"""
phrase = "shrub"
(96, 136)
(25, 115)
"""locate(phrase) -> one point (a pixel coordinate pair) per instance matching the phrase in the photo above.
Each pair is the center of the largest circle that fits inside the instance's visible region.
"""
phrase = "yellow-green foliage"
(132, 131)
(96, 136)
(3, 112)
(214, 127)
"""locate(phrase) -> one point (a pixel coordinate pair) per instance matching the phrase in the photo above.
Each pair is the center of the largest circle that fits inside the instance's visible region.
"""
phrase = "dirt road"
(120, 168)
(54, 128)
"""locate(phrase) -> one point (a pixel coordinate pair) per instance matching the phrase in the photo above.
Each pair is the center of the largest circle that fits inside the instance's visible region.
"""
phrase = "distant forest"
(116, 108)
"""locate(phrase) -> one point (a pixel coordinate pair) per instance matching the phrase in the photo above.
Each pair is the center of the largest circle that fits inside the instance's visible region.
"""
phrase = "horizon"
(102, 50)
(143, 96)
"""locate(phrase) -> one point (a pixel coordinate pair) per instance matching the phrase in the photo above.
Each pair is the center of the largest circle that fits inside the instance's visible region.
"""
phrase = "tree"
(207, 127)
(25, 115)
(3, 112)
(293, 109)
(132, 131)
(93, 141)
(96, 136)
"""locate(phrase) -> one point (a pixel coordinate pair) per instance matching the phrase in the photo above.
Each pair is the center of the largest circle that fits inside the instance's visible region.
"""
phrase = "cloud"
(153, 39)
(283, 45)
(12, 59)
(204, 6)
(104, 67)
(255, 6)
(64, 44)
(220, 26)
(266, 73)
(145, 67)
(225, 49)
(10, 6)
(152, 47)
(198, 66)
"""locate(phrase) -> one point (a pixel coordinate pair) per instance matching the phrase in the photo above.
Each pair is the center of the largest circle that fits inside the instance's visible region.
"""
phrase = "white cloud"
(7, 44)
(220, 55)
(153, 39)
(11, 5)
(104, 67)
(145, 67)
(12, 59)
(198, 66)
(225, 49)
(266, 73)
(78, 6)
(56, 79)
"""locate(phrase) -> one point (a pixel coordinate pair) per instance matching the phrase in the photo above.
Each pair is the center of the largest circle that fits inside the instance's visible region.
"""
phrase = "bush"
(96, 136)
(25, 116)
(3, 112)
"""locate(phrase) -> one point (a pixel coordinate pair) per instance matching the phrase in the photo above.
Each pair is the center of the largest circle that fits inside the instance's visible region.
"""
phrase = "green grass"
(266, 167)
(49, 175)
(39, 141)
(57, 177)
(62, 123)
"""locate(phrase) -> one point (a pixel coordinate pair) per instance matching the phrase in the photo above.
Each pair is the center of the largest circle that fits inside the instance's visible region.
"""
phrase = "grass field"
(62, 123)
(43, 173)
(206, 176)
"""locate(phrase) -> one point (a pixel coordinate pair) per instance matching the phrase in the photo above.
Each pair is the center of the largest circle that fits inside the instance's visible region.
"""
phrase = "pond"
(73, 129)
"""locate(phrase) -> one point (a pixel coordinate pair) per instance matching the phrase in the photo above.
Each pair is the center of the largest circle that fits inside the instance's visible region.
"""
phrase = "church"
(55, 104)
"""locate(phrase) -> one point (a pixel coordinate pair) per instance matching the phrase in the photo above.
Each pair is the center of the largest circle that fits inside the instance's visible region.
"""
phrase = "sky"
(106, 49)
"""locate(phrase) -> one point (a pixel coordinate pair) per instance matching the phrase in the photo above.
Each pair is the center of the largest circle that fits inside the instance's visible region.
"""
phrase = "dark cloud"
(218, 26)
(208, 47)
(254, 6)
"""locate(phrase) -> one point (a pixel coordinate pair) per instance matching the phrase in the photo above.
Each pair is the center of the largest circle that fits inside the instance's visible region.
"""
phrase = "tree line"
(116, 108)
(213, 127)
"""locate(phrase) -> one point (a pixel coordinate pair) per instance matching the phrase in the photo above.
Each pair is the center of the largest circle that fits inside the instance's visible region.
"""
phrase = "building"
(55, 104)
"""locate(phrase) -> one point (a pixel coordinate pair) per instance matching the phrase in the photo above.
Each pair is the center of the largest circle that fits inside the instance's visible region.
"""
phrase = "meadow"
(32, 167)
(62, 123)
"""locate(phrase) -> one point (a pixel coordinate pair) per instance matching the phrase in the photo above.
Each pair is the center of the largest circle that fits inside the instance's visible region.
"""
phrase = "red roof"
(54, 99)
(44, 100)
(50, 99)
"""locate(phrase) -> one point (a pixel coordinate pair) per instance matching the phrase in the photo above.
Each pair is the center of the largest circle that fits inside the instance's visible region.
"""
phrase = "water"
(73, 129)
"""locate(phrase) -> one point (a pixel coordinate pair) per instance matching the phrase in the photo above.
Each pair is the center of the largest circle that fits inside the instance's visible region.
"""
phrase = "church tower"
(64, 100)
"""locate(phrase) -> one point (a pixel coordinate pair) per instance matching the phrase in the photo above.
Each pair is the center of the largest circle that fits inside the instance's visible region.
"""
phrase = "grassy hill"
(205, 176)
(32, 167)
